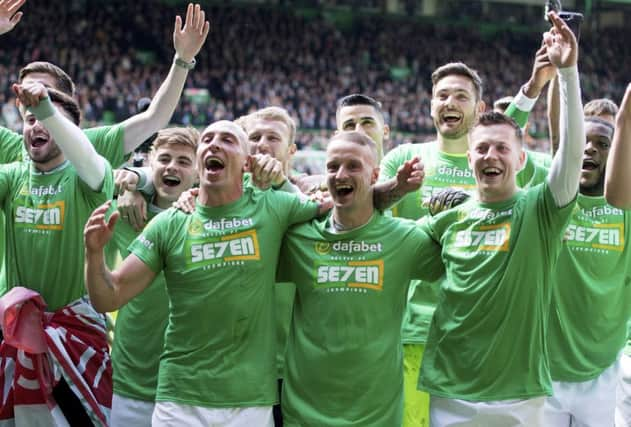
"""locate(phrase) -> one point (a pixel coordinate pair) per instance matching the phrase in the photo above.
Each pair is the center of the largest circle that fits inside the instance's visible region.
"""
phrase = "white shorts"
(583, 404)
(36, 416)
(502, 413)
(623, 393)
(130, 412)
(170, 414)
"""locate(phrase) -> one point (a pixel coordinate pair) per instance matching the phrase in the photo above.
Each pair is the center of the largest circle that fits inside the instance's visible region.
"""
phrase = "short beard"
(595, 190)
(466, 127)
(51, 155)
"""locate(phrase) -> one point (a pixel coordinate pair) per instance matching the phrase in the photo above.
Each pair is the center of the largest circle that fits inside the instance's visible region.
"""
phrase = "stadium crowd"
(462, 281)
(270, 56)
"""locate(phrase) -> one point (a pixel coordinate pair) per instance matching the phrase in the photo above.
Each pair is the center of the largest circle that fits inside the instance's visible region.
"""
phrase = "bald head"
(226, 126)
(357, 138)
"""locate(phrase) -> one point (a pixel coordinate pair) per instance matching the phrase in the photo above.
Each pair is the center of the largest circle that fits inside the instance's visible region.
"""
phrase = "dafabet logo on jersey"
(233, 247)
(485, 238)
(348, 247)
(597, 236)
(43, 217)
(323, 248)
(455, 171)
(350, 274)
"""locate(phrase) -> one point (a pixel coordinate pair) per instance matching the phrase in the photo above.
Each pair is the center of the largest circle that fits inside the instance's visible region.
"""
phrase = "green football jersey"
(11, 149)
(520, 116)
(542, 159)
(140, 328)
(284, 302)
(442, 171)
(107, 141)
(537, 163)
(284, 299)
(11, 146)
(220, 266)
(591, 292)
(344, 362)
(534, 171)
(45, 214)
(487, 337)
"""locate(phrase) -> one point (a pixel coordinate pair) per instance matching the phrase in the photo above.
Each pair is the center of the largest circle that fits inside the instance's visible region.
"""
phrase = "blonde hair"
(180, 135)
(599, 107)
(277, 114)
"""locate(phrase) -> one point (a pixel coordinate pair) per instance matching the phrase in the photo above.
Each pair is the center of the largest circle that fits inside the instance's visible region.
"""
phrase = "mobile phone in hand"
(551, 6)
(574, 21)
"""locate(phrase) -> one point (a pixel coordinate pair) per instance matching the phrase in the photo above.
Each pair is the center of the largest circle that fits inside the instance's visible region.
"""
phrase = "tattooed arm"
(409, 178)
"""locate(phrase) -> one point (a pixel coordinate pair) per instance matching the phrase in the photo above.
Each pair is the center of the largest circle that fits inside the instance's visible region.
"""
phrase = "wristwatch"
(182, 63)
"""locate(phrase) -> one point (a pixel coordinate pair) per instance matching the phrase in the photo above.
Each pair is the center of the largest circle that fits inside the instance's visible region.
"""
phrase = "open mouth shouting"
(589, 165)
(451, 117)
(491, 172)
(342, 190)
(214, 164)
(38, 141)
(171, 180)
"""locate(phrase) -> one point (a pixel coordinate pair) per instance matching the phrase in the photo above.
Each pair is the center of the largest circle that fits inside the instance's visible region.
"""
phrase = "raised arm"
(565, 170)
(618, 174)
(108, 290)
(188, 41)
(542, 72)
(9, 15)
(71, 140)
(553, 115)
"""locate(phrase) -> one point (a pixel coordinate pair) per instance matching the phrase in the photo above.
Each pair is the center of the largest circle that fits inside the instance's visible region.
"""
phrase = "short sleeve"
(108, 142)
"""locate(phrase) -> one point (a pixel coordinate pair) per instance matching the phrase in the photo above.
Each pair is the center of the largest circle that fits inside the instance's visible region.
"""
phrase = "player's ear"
(374, 176)
(481, 108)
(248, 163)
(522, 158)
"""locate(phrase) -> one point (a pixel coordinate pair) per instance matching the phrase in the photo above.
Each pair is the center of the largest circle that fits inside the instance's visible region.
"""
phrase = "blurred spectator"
(258, 56)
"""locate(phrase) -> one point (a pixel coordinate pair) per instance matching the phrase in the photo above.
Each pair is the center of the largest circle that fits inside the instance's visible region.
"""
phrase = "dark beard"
(52, 154)
(595, 190)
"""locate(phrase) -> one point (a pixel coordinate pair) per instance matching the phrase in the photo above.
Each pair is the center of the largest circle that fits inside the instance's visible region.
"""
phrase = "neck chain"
(337, 226)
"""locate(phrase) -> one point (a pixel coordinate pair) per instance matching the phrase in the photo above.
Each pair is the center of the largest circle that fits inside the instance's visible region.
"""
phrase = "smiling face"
(38, 142)
(364, 119)
(495, 156)
(599, 136)
(351, 171)
(454, 106)
(221, 155)
(267, 136)
(173, 170)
